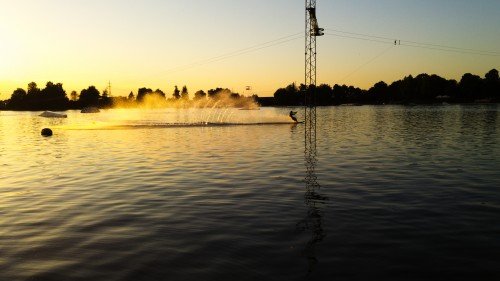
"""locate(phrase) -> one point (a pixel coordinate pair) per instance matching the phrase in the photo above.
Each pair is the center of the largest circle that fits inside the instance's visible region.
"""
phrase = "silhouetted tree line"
(222, 97)
(181, 95)
(54, 97)
(422, 89)
(51, 97)
(142, 93)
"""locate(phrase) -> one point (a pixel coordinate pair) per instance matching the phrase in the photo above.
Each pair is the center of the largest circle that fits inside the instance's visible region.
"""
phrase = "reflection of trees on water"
(313, 222)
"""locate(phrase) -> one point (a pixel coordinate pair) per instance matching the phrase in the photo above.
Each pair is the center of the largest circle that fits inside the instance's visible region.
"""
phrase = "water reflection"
(314, 201)
(163, 202)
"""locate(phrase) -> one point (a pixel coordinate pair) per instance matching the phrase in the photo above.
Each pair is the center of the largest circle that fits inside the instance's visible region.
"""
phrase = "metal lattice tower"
(312, 31)
(314, 220)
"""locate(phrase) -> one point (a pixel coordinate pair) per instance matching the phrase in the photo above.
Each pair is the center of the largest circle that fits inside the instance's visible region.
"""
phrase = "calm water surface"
(396, 193)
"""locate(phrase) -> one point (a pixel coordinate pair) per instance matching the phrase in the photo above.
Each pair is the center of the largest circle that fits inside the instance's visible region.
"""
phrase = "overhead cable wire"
(455, 48)
(368, 62)
(341, 34)
(431, 46)
(336, 33)
(359, 34)
(239, 52)
(360, 38)
(449, 50)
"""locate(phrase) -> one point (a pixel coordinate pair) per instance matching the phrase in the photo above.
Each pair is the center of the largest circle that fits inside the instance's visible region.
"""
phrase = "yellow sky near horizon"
(160, 44)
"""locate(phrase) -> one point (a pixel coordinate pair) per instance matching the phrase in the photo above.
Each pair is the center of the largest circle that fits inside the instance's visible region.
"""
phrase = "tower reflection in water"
(315, 202)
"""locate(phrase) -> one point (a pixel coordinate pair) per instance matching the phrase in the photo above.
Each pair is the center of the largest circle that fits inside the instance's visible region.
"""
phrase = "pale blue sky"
(143, 43)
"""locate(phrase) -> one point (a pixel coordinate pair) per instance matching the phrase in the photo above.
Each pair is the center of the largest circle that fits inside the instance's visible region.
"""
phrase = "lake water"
(391, 193)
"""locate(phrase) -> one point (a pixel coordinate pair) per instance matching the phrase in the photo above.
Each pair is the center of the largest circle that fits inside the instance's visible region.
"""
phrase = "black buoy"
(46, 132)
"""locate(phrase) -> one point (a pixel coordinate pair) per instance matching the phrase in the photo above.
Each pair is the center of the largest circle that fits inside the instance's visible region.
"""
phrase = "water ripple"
(403, 193)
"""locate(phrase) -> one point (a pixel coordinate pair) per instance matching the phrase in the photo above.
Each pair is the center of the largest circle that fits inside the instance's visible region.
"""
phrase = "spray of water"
(219, 109)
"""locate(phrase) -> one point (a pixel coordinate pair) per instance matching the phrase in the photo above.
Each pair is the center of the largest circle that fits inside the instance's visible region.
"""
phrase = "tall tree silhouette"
(470, 88)
(18, 99)
(184, 93)
(199, 95)
(142, 93)
(290, 95)
(131, 96)
(33, 96)
(53, 96)
(89, 97)
(159, 93)
(379, 93)
(492, 85)
(177, 94)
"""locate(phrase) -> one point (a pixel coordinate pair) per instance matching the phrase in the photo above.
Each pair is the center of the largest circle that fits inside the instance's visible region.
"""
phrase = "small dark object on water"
(90, 109)
(46, 132)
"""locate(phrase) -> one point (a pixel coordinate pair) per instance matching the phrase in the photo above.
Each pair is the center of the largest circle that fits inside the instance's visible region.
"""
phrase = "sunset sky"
(206, 44)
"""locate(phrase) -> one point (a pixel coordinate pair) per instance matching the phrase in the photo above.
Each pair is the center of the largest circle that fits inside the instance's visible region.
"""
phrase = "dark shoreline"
(295, 106)
(423, 89)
